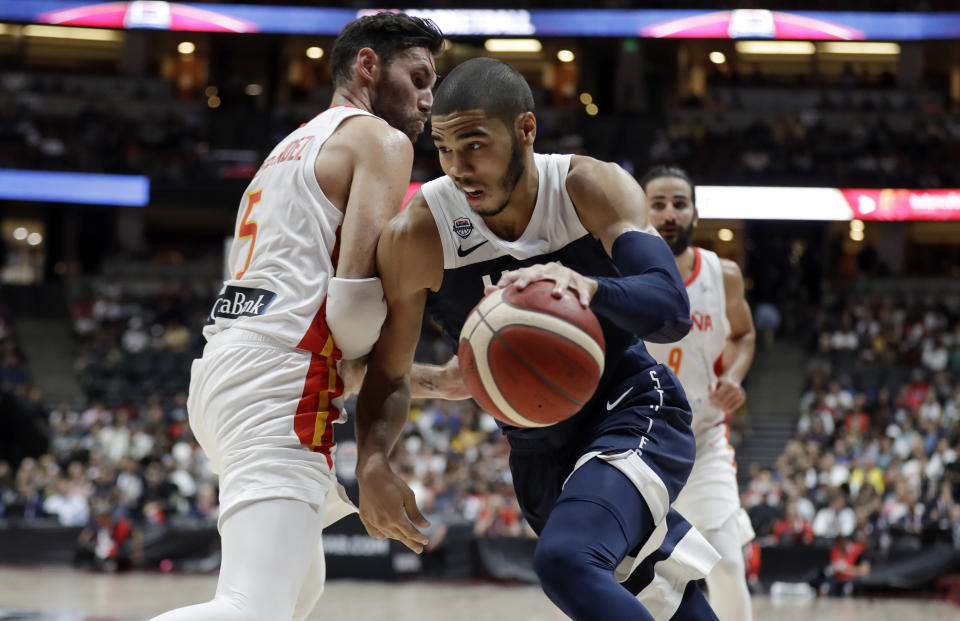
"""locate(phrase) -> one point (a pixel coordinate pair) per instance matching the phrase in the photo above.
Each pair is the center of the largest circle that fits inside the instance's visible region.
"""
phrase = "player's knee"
(728, 569)
(561, 565)
(553, 562)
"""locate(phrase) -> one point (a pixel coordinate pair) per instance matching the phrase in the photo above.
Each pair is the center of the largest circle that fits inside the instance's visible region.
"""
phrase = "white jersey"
(285, 245)
(466, 239)
(696, 359)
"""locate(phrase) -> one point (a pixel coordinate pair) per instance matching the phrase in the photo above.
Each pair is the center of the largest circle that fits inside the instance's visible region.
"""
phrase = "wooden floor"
(64, 595)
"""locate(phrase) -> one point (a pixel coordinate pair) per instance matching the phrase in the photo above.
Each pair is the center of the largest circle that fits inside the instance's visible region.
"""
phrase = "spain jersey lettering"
(285, 245)
(696, 359)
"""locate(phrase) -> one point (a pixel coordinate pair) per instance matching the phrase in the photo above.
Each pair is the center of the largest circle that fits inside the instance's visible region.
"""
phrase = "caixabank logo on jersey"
(234, 302)
(463, 227)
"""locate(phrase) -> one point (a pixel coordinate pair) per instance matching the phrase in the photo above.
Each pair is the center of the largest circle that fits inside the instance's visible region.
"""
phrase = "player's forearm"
(650, 299)
(432, 381)
(382, 410)
(737, 365)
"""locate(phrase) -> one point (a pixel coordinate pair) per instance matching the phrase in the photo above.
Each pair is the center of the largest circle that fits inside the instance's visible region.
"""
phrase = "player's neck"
(344, 96)
(686, 261)
(510, 223)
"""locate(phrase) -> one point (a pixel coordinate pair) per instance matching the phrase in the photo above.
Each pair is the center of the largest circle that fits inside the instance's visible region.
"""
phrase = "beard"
(387, 108)
(682, 241)
(510, 178)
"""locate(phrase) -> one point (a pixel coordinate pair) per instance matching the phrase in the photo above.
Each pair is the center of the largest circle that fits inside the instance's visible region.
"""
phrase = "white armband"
(356, 310)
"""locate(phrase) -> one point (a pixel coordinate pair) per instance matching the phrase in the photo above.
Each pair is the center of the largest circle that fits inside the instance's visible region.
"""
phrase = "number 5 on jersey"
(674, 359)
(248, 229)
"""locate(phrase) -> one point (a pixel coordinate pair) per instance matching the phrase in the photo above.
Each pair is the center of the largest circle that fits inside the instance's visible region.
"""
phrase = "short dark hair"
(386, 34)
(484, 84)
(669, 171)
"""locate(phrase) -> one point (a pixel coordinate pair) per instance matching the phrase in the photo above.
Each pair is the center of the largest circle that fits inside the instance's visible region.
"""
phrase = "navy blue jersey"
(475, 257)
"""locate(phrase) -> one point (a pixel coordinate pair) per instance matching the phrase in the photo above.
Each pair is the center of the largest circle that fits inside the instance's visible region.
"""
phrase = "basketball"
(528, 358)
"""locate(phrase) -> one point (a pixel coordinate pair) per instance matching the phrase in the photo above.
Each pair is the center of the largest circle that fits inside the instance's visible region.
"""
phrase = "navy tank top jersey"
(473, 257)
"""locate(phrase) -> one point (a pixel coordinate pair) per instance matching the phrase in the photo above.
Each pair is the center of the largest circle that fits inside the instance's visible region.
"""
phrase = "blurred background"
(826, 147)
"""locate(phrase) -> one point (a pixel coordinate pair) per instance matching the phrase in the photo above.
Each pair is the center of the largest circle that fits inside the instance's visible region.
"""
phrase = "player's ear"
(526, 127)
(367, 67)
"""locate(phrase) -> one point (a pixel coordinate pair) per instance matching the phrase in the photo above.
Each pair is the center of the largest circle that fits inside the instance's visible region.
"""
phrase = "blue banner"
(64, 187)
(734, 24)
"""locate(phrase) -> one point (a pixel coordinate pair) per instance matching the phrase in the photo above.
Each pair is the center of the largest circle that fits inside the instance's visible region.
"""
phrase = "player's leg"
(599, 517)
(727, 583)
(268, 548)
(312, 585)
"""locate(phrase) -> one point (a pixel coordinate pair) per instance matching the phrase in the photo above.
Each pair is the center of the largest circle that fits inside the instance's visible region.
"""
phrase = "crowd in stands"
(845, 130)
(865, 132)
(875, 457)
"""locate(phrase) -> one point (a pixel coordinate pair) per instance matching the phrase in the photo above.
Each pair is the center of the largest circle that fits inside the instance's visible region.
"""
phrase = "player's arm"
(410, 261)
(738, 353)
(649, 297)
(427, 381)
(381, 158)
(437, 381)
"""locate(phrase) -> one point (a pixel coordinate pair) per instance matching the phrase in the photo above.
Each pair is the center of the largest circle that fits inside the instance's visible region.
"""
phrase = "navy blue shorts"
(646, 413)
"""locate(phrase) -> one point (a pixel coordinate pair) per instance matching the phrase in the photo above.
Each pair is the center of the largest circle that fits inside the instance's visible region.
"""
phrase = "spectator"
(836, 519)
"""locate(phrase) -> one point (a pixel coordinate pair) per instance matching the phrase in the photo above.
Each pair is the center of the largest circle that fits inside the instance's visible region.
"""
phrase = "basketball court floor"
(62, 595)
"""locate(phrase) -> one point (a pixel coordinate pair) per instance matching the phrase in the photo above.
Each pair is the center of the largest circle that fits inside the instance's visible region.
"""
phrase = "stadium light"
(66, 32)
(314, 52)
(725, 235)
(586, 98)
(592, 109)
(856, 225)
(856, 236)
(186, 47)
(20, 233)
(718, 58)
(253, 90)
(34, 239)
(512, 45)
(795, 48)
(860, 47)
(565, 56)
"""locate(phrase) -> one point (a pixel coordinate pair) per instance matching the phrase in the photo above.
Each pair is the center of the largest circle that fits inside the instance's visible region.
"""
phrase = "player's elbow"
(671, 331)
(676, 318)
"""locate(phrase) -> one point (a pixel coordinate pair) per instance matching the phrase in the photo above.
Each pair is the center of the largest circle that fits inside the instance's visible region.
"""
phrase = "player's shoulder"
(587, 174)
(411, 242)
(367, 134)
(729, 268)
(414, 228)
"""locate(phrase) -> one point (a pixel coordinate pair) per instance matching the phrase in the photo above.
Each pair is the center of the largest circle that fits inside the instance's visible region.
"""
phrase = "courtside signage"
(67, 187)
(647, 23)
(777, 203)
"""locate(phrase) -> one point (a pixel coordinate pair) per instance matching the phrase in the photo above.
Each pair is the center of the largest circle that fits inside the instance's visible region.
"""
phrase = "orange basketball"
(530, 359)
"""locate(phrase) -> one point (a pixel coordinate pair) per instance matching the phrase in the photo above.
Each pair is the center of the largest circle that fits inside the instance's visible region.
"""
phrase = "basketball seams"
(480, 351)
(495, 313)
(544, 321)
(490, 383)
(540, 376)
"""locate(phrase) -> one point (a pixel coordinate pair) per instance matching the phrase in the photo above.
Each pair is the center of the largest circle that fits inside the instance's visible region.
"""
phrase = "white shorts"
(264, 415)
(710, 495)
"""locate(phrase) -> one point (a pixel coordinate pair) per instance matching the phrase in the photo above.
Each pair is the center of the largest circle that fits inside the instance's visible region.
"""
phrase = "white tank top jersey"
(285, 245)
(696, 359)
(467, 240)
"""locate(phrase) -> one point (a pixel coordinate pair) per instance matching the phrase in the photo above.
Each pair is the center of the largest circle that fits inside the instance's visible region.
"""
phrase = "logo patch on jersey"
(463, 227)
(462, 252)
(236, 302)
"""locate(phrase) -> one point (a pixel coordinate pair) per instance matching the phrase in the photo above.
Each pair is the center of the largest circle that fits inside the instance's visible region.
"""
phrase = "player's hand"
(727, 395)
(388, 507)
(563, 278)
